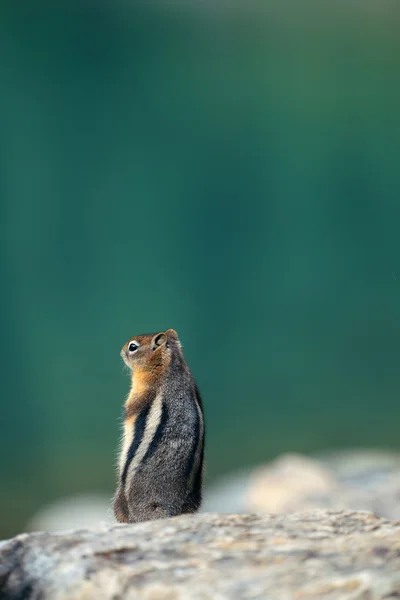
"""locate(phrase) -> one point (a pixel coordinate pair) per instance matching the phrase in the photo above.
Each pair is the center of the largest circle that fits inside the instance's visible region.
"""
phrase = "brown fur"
(148, 370)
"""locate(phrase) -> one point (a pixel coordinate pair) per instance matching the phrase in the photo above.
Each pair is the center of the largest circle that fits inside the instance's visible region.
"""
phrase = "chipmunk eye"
(133, 347)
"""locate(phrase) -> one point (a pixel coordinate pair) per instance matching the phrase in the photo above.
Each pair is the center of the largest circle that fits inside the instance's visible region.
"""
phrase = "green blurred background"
(229, 172)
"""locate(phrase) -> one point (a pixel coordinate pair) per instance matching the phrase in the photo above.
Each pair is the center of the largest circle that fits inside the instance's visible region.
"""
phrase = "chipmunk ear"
(172, 334)
(158, 340)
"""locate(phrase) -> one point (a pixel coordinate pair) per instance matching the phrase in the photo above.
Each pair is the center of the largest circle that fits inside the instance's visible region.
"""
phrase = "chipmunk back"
(162, 451)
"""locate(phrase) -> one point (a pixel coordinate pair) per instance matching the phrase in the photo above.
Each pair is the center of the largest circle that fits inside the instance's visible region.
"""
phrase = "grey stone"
(354, 479)
(327, 555)
(228, 493)
(73, 512)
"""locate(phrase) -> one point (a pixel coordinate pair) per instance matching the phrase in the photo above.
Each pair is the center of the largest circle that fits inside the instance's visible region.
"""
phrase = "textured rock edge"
(323, 554)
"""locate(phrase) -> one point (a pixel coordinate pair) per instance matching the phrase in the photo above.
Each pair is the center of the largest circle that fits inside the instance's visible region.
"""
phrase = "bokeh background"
(231, 171)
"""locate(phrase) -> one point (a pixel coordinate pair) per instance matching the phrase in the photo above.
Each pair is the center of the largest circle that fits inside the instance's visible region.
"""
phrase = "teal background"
(232, 173)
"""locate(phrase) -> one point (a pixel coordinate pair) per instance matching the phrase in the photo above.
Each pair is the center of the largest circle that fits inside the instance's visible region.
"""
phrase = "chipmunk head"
(149, 349)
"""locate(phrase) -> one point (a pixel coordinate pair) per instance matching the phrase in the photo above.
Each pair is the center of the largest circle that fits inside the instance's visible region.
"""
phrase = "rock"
(289, 480)
(362, 479)
(73, 512)
(359, 480)
(228, 494)
(313, 555)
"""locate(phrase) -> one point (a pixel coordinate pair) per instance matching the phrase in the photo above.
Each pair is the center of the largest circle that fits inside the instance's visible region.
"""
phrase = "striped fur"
(152, 415)
(162, 452)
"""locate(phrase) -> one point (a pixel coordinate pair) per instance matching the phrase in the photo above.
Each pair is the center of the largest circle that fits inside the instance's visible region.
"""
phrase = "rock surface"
(313, 555)
(355, 479)
(74, 512)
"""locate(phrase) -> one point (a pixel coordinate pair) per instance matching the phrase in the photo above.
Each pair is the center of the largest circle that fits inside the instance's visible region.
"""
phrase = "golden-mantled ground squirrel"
(161, 459)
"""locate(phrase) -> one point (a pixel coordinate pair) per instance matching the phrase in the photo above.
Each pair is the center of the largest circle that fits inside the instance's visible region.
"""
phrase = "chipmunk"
(162, 451)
